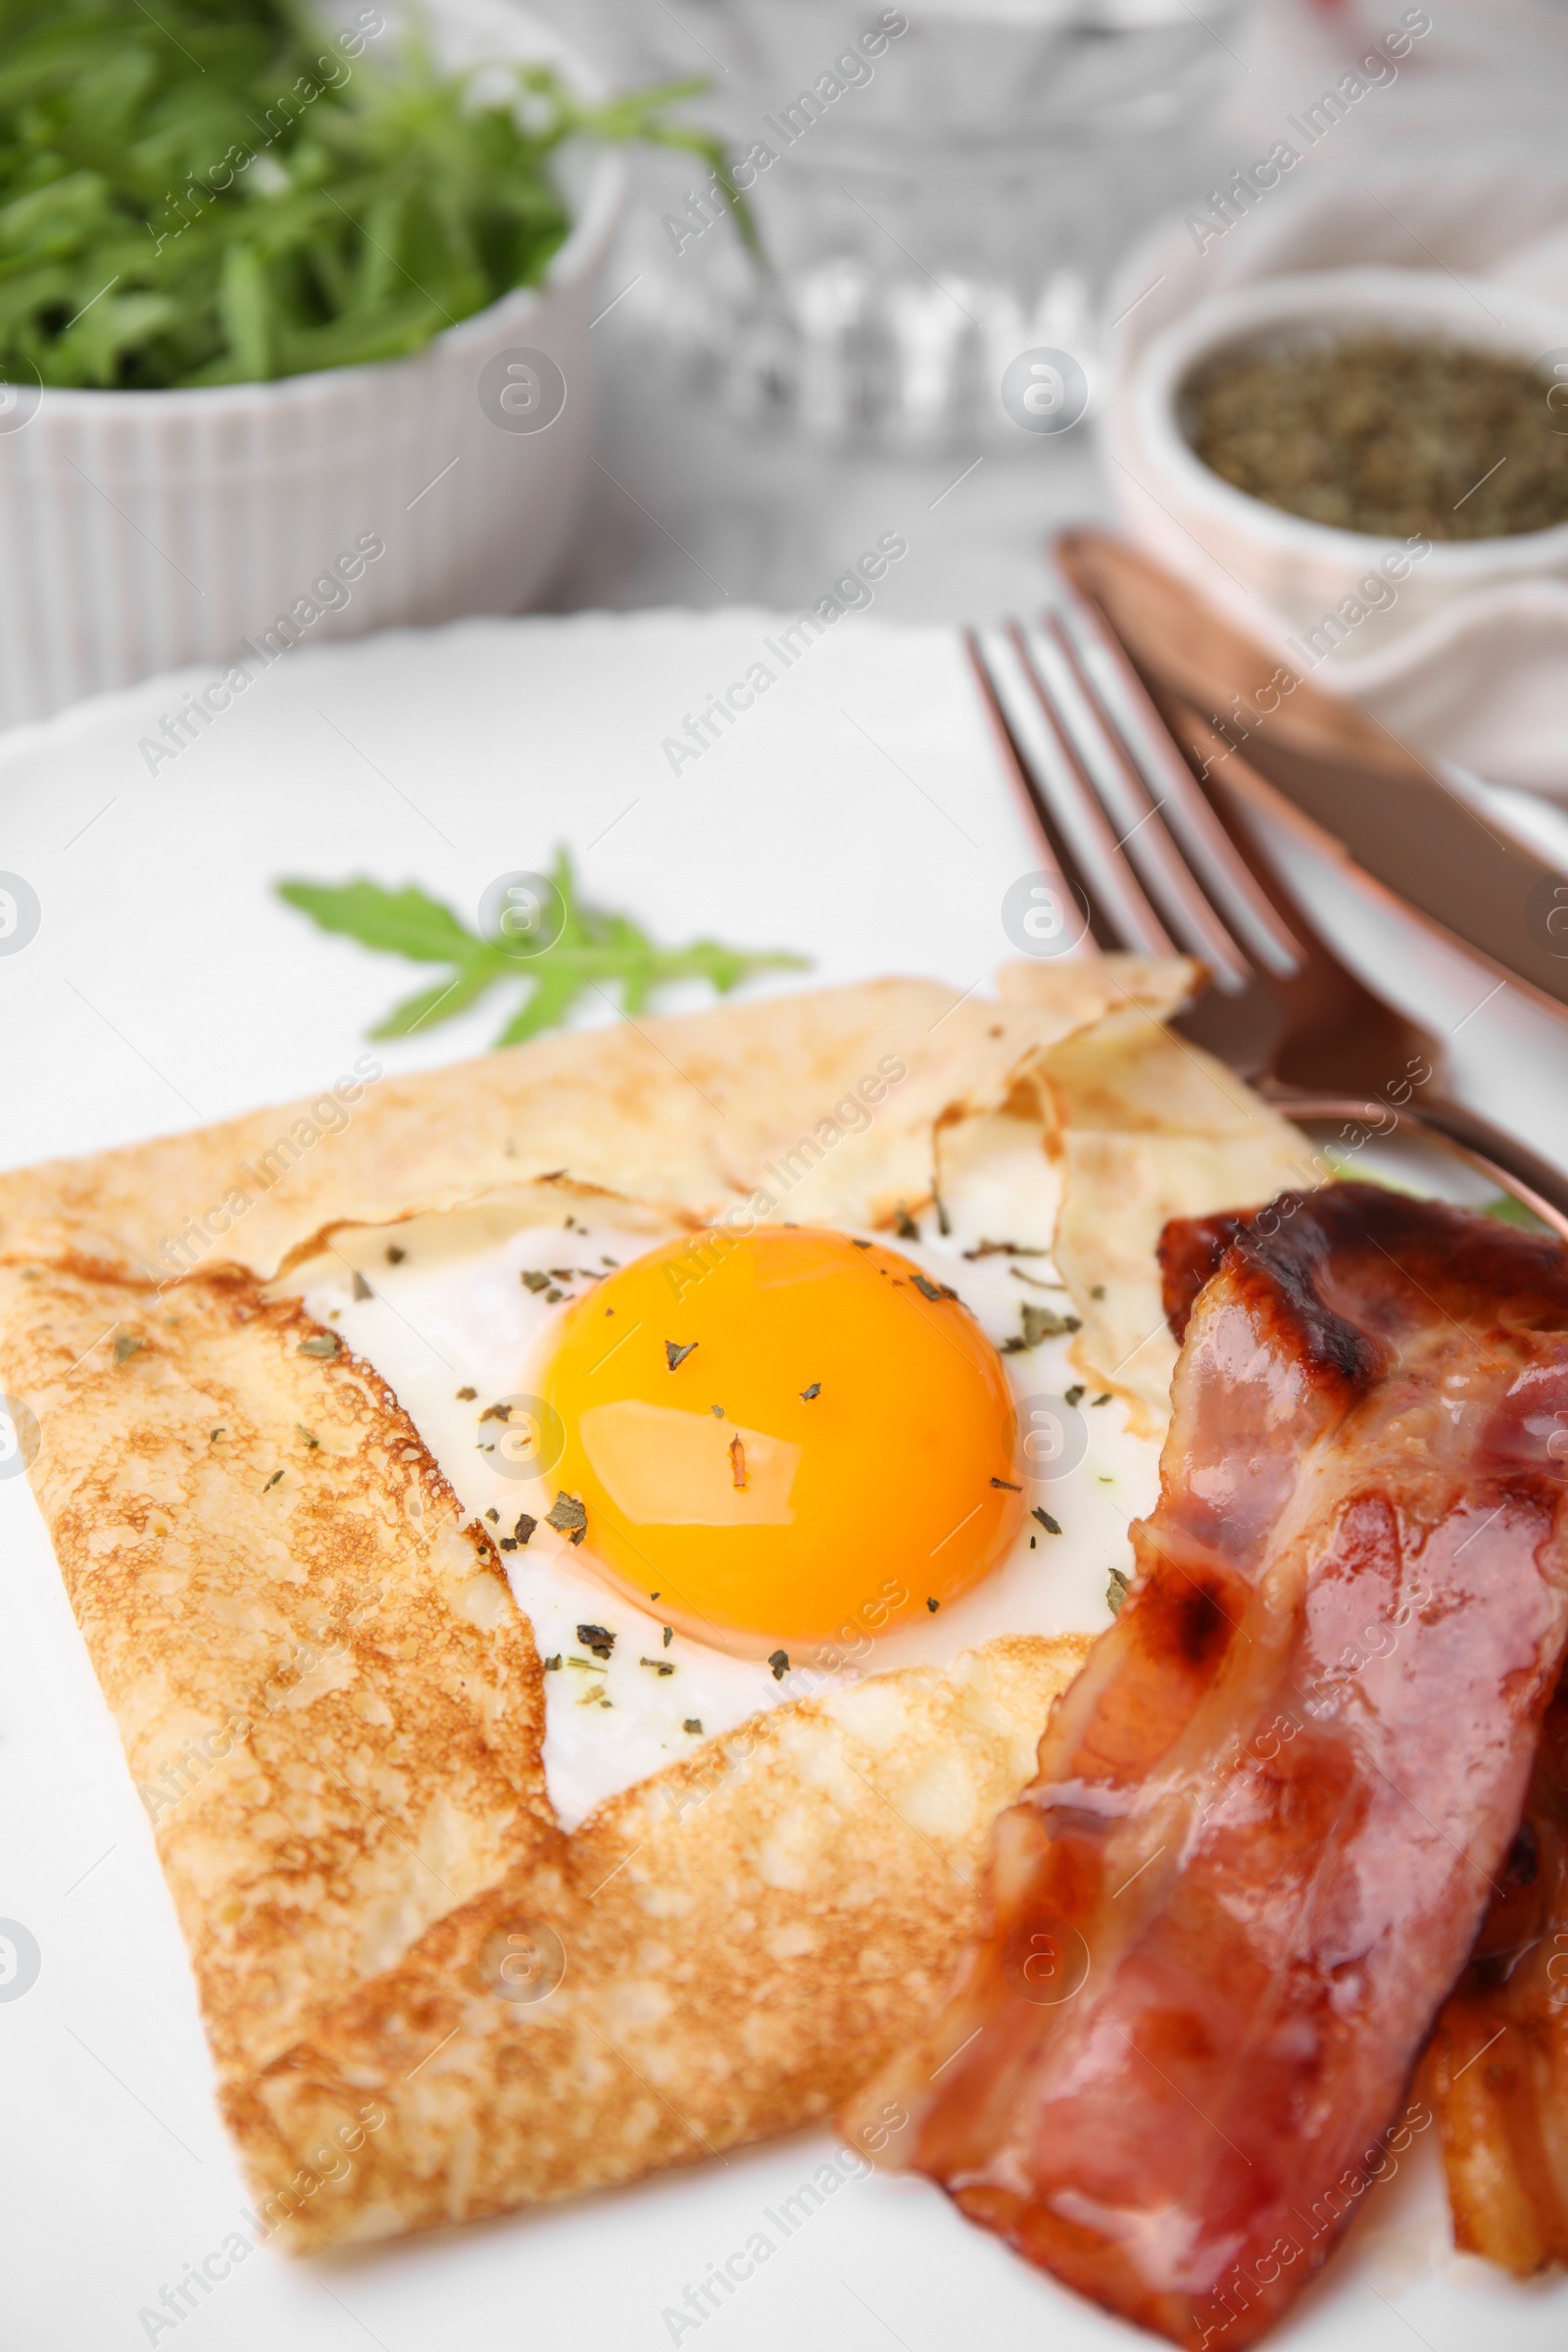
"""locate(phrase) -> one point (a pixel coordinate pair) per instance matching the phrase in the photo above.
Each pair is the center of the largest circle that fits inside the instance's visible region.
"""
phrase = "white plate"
(855, 814)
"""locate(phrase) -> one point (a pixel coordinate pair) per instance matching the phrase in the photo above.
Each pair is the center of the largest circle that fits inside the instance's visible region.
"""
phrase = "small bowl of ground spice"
(1359, 447)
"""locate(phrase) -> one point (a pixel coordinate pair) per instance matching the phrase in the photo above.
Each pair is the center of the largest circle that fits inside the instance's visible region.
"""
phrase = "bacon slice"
(1498, 2060)
(1271, 1810)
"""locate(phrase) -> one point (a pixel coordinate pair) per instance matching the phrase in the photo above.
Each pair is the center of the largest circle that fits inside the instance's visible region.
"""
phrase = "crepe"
(423, 2000)
(1147, 1127)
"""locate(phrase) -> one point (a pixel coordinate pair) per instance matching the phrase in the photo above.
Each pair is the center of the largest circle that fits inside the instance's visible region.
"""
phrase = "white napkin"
(1457, 165)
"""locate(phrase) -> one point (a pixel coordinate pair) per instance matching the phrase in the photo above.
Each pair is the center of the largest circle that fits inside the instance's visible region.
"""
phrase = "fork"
(1155, 850)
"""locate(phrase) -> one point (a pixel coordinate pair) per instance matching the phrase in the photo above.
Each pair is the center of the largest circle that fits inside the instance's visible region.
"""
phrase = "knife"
(1386, 807)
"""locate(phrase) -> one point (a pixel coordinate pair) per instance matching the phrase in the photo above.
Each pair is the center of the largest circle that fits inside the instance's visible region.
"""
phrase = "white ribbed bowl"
(142, 531)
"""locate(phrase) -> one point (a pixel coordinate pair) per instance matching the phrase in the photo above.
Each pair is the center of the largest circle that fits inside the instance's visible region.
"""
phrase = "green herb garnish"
(216, 191)
(567, 1518)
(1117, 1592)
(675, 1355)
(594, 951)
(935, 1292)
(1039, 1323)
(1509, 1211)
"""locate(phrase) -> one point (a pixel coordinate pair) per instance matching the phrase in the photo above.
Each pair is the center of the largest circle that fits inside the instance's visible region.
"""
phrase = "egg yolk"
(786, 1436)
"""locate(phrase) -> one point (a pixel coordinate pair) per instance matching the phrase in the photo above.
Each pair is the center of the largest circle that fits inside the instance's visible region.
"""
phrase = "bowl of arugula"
(293, 326)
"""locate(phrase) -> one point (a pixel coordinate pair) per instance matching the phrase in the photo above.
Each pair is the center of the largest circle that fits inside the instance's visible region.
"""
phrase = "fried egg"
(727, 1469)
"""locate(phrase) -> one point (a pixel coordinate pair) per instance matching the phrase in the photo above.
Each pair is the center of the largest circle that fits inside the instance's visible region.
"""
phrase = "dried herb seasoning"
(1051, 1525)
(1117, 1592)
(936, 1292)
(808, 1396)
(675, 1353)
(326, 1342)
(780, 1663)
(1393, 438)
(568, 1517)
(597, 1638)
(532, 1279)
(1040, 1323)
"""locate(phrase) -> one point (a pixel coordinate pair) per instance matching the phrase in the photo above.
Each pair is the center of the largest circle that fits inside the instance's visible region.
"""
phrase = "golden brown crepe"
(424, 2001)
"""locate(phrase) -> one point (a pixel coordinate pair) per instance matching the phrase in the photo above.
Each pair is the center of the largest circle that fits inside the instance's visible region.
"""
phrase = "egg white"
(442, 1307)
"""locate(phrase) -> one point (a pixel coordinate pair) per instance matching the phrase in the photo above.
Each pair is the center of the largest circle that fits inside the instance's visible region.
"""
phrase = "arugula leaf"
(219, 191)
(595, 953)
(1509, 1211)
(401, 922)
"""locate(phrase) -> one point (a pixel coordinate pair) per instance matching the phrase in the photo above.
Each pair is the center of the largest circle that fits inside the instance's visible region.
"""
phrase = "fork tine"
(1066, 796)
(1140, 828)
(1122, 697)
(1014, 762)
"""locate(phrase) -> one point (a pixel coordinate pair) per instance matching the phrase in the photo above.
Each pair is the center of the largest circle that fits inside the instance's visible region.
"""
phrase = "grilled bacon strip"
(1497, 2069)
(1271, 1810)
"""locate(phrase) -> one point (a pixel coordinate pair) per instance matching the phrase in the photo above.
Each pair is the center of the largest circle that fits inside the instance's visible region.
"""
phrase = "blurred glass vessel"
(940, 188)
